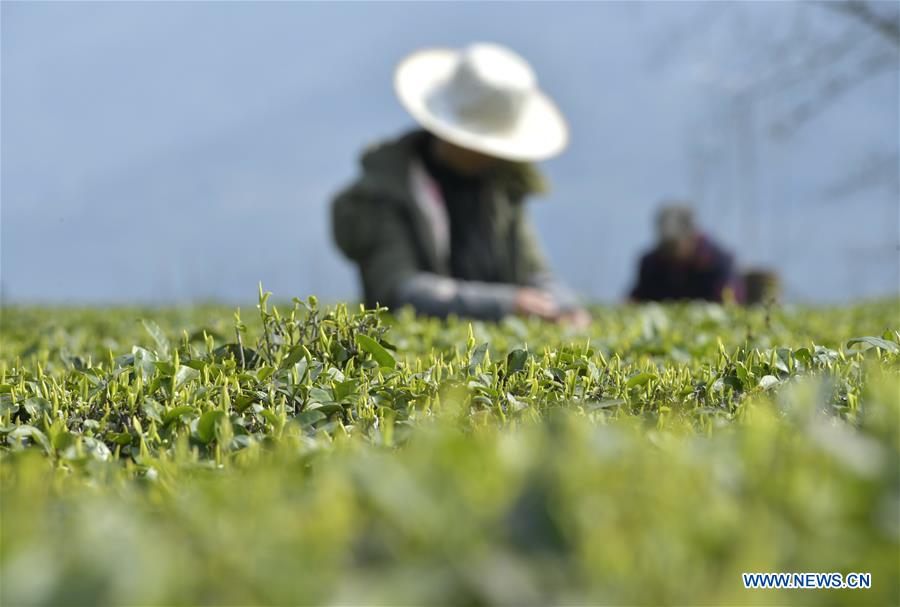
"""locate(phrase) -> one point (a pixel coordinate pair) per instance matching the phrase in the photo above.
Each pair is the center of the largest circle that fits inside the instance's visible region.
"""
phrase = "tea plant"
(310, 455)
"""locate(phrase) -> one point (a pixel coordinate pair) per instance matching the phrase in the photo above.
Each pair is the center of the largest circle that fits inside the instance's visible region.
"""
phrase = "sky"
(183, 152)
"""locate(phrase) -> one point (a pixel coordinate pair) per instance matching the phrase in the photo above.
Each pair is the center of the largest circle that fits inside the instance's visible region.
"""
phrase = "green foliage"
(316, 455)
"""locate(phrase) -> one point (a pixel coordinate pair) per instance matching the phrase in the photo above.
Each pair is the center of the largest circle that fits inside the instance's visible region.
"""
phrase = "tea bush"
(315, 455)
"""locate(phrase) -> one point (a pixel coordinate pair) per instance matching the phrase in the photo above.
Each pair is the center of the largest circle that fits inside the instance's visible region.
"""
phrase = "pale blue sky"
(177, 152)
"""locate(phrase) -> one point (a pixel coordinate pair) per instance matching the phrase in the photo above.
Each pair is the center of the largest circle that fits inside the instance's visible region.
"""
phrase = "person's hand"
(534, 302)
(578, 318)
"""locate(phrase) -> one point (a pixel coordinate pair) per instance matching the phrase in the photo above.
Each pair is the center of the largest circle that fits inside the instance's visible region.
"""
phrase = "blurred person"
(437, 218)
(685, 264)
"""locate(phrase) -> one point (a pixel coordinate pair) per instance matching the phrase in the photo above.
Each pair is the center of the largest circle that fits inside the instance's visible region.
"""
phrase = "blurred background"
(180, 152)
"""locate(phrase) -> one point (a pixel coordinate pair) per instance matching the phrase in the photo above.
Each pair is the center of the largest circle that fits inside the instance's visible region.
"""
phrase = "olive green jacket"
(391, 222)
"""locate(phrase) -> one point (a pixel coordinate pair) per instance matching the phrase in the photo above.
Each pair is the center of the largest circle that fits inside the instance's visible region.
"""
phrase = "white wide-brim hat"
(483, 98)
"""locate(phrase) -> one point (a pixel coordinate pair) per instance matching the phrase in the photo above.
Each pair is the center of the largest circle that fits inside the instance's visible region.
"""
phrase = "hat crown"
(496, 67)
(487, 90)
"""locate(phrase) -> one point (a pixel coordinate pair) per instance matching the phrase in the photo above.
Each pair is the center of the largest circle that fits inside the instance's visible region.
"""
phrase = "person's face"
(464, 161)
(676, 233)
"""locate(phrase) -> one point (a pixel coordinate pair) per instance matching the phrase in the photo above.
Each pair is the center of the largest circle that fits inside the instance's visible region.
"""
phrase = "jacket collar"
(386, 166)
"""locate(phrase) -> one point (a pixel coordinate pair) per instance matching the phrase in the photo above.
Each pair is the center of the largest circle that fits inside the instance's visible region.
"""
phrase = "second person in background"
(686, 263)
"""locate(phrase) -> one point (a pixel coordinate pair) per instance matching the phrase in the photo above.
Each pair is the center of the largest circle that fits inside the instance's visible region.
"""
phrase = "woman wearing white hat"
(436, 220)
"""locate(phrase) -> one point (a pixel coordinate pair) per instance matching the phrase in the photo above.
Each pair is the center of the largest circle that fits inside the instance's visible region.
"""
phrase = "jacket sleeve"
(537, 271)
(437, 295)
(382, 245)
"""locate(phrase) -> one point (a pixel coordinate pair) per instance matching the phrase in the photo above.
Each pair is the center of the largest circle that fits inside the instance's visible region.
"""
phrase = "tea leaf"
(162, 342)
(380, 354)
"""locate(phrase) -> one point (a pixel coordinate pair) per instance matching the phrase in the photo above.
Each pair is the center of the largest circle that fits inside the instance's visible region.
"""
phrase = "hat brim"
(540, 132)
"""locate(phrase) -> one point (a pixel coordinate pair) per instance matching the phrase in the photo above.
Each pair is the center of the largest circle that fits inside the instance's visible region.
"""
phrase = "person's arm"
(388, 262)
(441, 296)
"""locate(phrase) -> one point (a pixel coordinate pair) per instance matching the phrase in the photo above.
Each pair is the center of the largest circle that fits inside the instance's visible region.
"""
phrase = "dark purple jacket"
(704, 276)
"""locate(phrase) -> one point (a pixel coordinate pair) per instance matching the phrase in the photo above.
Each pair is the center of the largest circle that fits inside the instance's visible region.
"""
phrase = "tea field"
(307, 454)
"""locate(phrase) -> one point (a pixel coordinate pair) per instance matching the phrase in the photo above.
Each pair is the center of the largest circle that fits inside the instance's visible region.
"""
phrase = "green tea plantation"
(307, 454)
